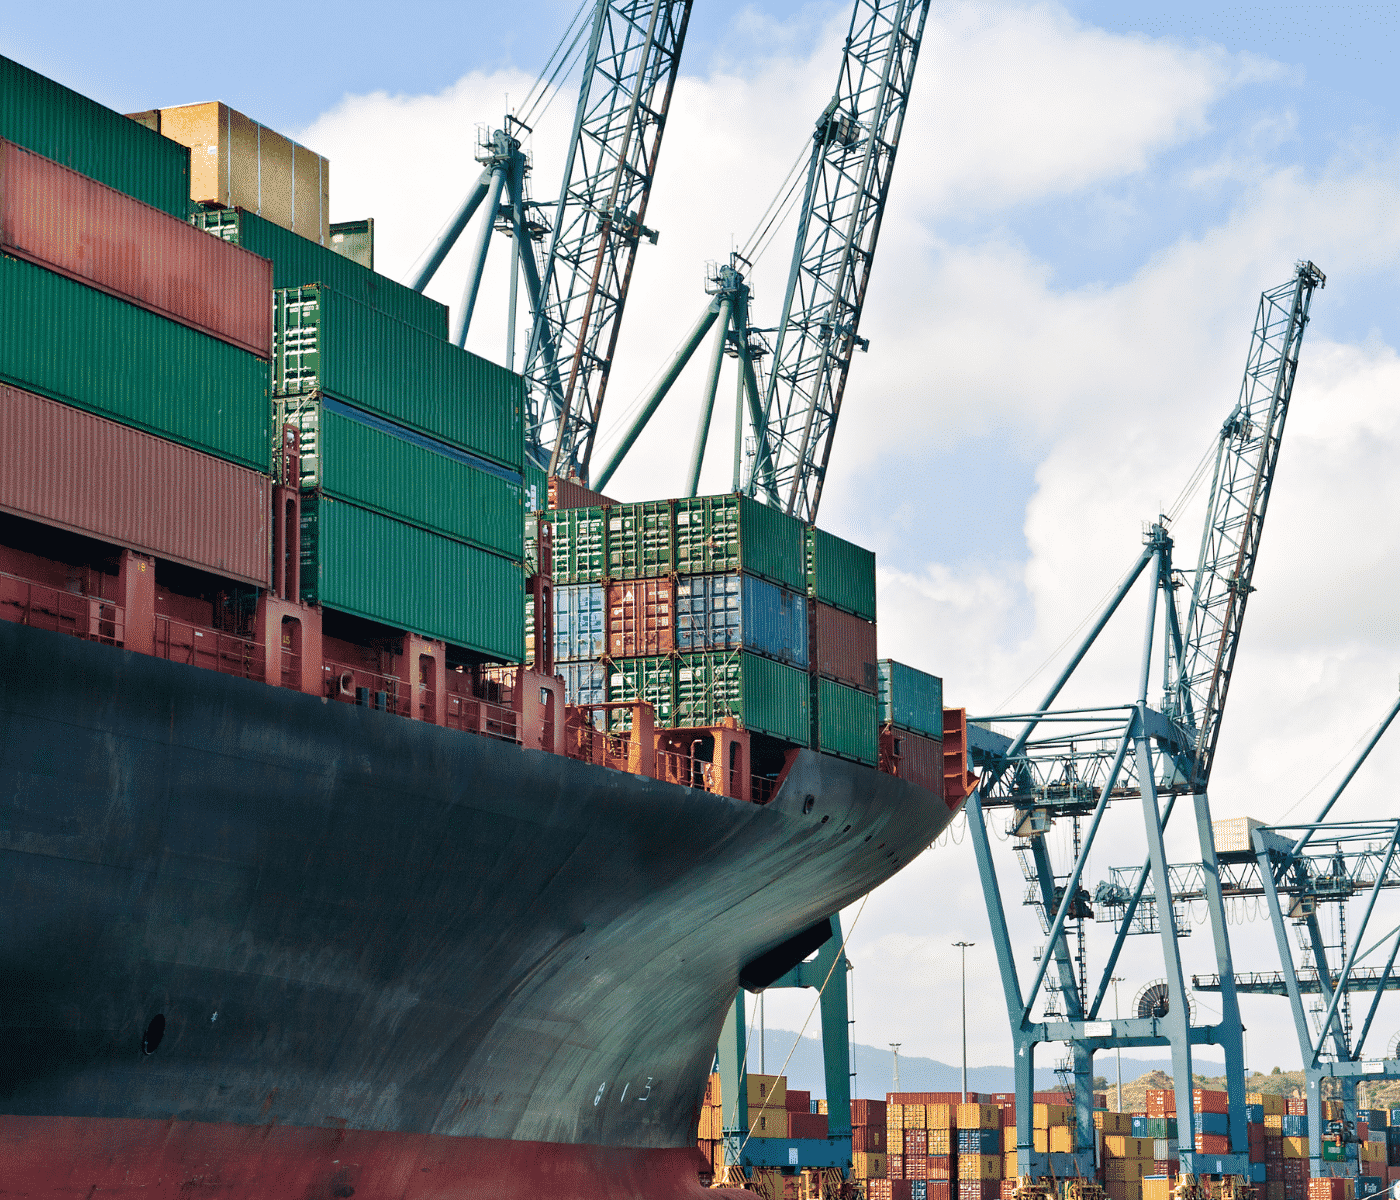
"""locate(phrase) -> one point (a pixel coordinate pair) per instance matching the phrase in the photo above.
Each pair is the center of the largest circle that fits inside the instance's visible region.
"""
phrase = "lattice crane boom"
(848, 179)
(633, 56)
(1246, 459)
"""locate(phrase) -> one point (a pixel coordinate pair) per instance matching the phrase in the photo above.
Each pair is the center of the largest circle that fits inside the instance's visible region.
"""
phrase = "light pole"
(1118, 1050)
(895, 1047)
(964, 946)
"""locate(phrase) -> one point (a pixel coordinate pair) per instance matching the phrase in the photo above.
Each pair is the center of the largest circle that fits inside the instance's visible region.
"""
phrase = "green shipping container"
(911, 699)
(649, 679)
(362, 562)
(86, 348)
(763, 695)
(578, 544)
(297, 261)
(846, 722)
(733, 533)
(352, 456)
(326, 341)
(536, 487)
(840, 573)
(59, 123)
(641, 540)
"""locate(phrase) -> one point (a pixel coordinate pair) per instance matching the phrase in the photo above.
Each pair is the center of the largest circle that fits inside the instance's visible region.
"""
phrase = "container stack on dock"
(775, 1113)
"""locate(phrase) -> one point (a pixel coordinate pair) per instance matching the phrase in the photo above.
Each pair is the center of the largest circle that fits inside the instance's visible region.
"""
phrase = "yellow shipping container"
(237, 163)
(1295, 1147)
(914, 1115)
(979, 1166)
(1117, 1146)
(711, 1120)
(943, 1141)
(1009, 1169)
(767, 1091)
(1041, 1140)
(712, 1095)
(867, 1165)
(1123, 1189)
(1130, 1169)
(1272, 1103)
(1113, 1122)
(1273, 1121)
(941, 1116)
(1156, 1187)
(979, 1116)
(1372, 1152)
(1008, 1139)
(1048, 1115)
(1062, 1139)
(894, 1116)
(768, 1122)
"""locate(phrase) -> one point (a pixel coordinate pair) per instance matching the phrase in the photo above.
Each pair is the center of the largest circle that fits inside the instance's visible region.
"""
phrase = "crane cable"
(541, 86)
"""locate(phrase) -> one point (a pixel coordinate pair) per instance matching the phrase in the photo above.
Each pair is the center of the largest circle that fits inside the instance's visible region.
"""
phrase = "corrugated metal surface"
(913, 757)
(763, 695)
(82, 346)
(354, 240)
(81, 228)
(910, 698)
(297, 261)
(733, 533)
(843, 647)
(565, 493)
(840, 573)
(847, 722)
(578, 545)
(641, 540)
(50, 119)
(649, 679)
(69, 468)
(327, 341)
(357, 458)
(584, 683)
(536, 487)
(641, 618)
(365, 563)
(580, 622)
(739, 611)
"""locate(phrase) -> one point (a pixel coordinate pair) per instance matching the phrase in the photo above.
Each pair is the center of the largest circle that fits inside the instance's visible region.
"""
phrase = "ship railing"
(196, 646)
(359, 685)
(471, 715)
(602, 747)
(764, 788)
(43, 607)
(673, 766)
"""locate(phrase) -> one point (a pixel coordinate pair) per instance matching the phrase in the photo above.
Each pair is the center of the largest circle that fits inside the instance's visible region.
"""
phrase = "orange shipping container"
(868, 1166)
(979, 1166)
(81, 472)
(941, 1116)
(77, 227)
(979, 1116)
(641, 618)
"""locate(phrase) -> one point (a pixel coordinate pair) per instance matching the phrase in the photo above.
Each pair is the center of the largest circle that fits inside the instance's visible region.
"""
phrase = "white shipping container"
(1233, 836)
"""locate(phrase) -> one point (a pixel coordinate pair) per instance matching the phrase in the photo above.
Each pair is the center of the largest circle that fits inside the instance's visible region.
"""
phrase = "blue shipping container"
(584, 683)
(1294, 1125)
(1254, 1114)
(918, 1189)
(580, 623)
(910, 699)
(1210, 1123)
(734, 612)
(1140, 1127)
(1369, 1185)
(979, 1141)
(1257, 1173)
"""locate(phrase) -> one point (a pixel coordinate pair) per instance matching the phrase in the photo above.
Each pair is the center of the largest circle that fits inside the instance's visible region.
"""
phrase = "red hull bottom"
(106, 1159)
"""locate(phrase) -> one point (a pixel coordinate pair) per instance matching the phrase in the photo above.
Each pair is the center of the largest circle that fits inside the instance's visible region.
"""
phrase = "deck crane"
(577, 288)
(1069, 763)
(792, 417)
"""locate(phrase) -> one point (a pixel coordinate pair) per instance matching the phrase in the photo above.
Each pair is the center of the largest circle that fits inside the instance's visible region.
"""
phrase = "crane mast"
(1246, 458)
(848, 180)
(634, 52)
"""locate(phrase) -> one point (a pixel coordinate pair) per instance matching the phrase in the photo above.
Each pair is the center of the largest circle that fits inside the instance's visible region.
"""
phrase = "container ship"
(379, 817)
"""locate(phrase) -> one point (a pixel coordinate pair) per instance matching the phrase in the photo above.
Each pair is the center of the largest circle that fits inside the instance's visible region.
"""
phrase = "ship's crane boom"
(633, 56)
(1246, 458)
(848, 180)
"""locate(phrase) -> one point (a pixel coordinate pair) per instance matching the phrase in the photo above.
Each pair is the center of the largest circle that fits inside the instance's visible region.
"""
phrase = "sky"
(1087, 203)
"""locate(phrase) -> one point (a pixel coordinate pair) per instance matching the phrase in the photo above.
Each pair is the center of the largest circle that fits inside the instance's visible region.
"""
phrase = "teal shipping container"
(578, 544)
(44, 116)
(81, 346)
(649, 679)
(536, 487)
(736, 533)
(362, 562)
(641, 540)
(353, 456)
(326, 341)
(297, 261)
(910, 699)
(846, 722)
(763, 695)
(840, 573)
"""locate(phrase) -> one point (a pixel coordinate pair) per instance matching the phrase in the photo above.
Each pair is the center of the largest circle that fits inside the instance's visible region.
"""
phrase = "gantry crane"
(577, 286)
(792, 416)
(1069, 763)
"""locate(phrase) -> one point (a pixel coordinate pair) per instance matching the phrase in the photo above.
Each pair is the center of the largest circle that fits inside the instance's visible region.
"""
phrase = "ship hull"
(358, 927)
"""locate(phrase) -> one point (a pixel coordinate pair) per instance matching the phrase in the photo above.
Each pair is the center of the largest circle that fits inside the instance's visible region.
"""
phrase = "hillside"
(1285, 1083)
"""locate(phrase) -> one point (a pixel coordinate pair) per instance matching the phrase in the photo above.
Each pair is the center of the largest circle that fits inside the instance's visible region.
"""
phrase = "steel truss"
(1071, 763)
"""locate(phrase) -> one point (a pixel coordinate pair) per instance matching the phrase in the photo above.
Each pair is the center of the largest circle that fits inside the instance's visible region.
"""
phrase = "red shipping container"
(1329, 1188)
(894, 1166)
(798, 1101)
(935, 1098)
(979, 1189)
(1008, 1189)
(916, 1166)
(868, 1139)
(1205, 1100)
(807, 1125)
(84, 473)
(565, 493)
(868, 1112)
(843, 649)
(641, 621)
(941, 1166)
(916, 1145)
(877, 1189)
(940, 1189)
(915, 758)
(1297, 1106)
(52, 216)
(1212, 1143)
(1008, 1116)
(1161, 1102)
(901, 1190)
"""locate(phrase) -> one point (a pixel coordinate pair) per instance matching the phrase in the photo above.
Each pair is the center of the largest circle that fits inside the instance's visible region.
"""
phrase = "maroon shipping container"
(916, 758)
(565, 493)
(99, 236)
(979, 1189)
(867, 1139)
(798, 1101)
(916, 1166)
(807, 1125)
(916, 1144)
(900, 1189)
(81, 472)
(941, 1166)
(641, 620)
(843, 649)
(878, 1189)
(941, 1189)
(894, 1166)
(934, 1098)
(868, 1112)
